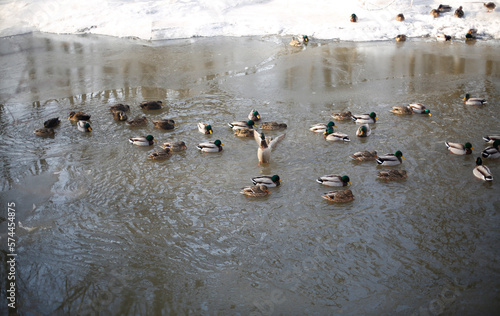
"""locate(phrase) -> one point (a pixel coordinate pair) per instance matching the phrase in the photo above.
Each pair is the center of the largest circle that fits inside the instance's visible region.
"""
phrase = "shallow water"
(104, 230)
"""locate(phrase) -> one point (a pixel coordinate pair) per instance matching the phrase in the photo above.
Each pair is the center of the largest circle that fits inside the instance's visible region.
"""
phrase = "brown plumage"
(271, 126)
(119, 107)
(339, 196)
(164, 124)
(364, 155)
(119, 115)
(490, 6)
(44, 132)
(151, 105)
(401, 38)
(400, 17)
(138, 121)
(392, 174)
(78, 116)
(434, 13)
(53, 122)
(459, 13)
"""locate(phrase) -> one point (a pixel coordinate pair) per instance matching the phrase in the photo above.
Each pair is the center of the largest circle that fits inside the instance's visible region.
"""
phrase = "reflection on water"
(104, 230)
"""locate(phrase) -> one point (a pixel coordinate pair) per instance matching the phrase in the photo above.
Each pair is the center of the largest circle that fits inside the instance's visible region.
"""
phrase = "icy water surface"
(102, 230)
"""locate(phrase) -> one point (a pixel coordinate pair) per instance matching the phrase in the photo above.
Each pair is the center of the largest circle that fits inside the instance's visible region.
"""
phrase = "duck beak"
(90, 129)
(350, 183)
(430, 114)
(210, 131)
(403, 157)
(465, 99)
(279, 180)
(221, 144)
(154, 139)
(472, 148)
(376, 118)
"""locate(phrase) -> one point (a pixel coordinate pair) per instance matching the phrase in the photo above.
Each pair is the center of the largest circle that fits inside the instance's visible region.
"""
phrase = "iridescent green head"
(250, 123)
(275, 178)
(330, 124)
(399, 154)
(353, 16)
(256, 114)
(479, 161)
(218, 143)
(150, 138)
(306, 39)
(468, 145)
(363, 129)
(328, 131)
(373, 115)
(262, 136)
(345, 179)
(426, 111)
(496, 143)
(209, 129)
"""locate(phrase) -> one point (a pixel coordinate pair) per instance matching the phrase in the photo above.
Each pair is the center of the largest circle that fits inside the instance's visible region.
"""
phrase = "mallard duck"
(491, 138)
(271, 126)
(83, 126)
(160, 154)
(492, 151)
(341, 196)
(443, 38)
(401, 109)
(400, 17)
(299, 41)
(469, 37)
(434, 13)
(78, 116)
(419, 108)
(175, 146)
(481, 171)
(335, 137)
(258, 190)
(459, 149)
(444, 8)
(254, 115)
(119, 116)
(401, 38)
(473, 101)
(459, 13)
(392, 174)
(342, 116)
(142, 140)
(365, 118)
(164, 124)
(333, 180)
(354, 18)
(44, 132)
(266, 146)
(364, 131)
(138, 121)
(490, 6)
(205, 128)
(241, 124)
(119, 107)
(269, 181)
(151, 105)
(391, 159)
(364, 155)
(211, 147)
(322, 127)
(244, 132)
(53, 122)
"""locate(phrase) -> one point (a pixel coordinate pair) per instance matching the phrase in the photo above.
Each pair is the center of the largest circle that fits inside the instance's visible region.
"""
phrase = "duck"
(160, 154)
(341, 196)
(391, 159)
(354, 18)
(50, 123)
(205, 128)
(442, 8)
(266, 146)
(272, 126)
(365, 118)
(119, 116)
(78, 116)
(481, 171)
(342, 116)
(401, 38)
(269, 181)
(490, 6)
(434, 13)
(492, 151)
(138, 121)
(142, 140)
(83, 126)
(254, 115)
(459, 13)
(364, 155)
(299, 41)
(211, 147)
(333, 180)
(392, 174)
(242, 124)
(322, 127)
(443, 37)
(469, 37)
(244, 132)
(364, 131)
(175, 146)
(151, 105)
(473, 101)
(258, 190)
(400, 17)
(164, 124)
(491, 138)
(459, 149)
(45, 132)
(401, 109)
(419, 108)
(335, 137)
(119, 107)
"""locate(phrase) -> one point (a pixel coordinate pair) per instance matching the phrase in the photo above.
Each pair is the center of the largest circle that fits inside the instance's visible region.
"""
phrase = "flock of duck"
(247, 128)
(441, 9)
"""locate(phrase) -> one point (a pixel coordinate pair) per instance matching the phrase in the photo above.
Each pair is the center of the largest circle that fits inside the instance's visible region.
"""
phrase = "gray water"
(102, 230)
